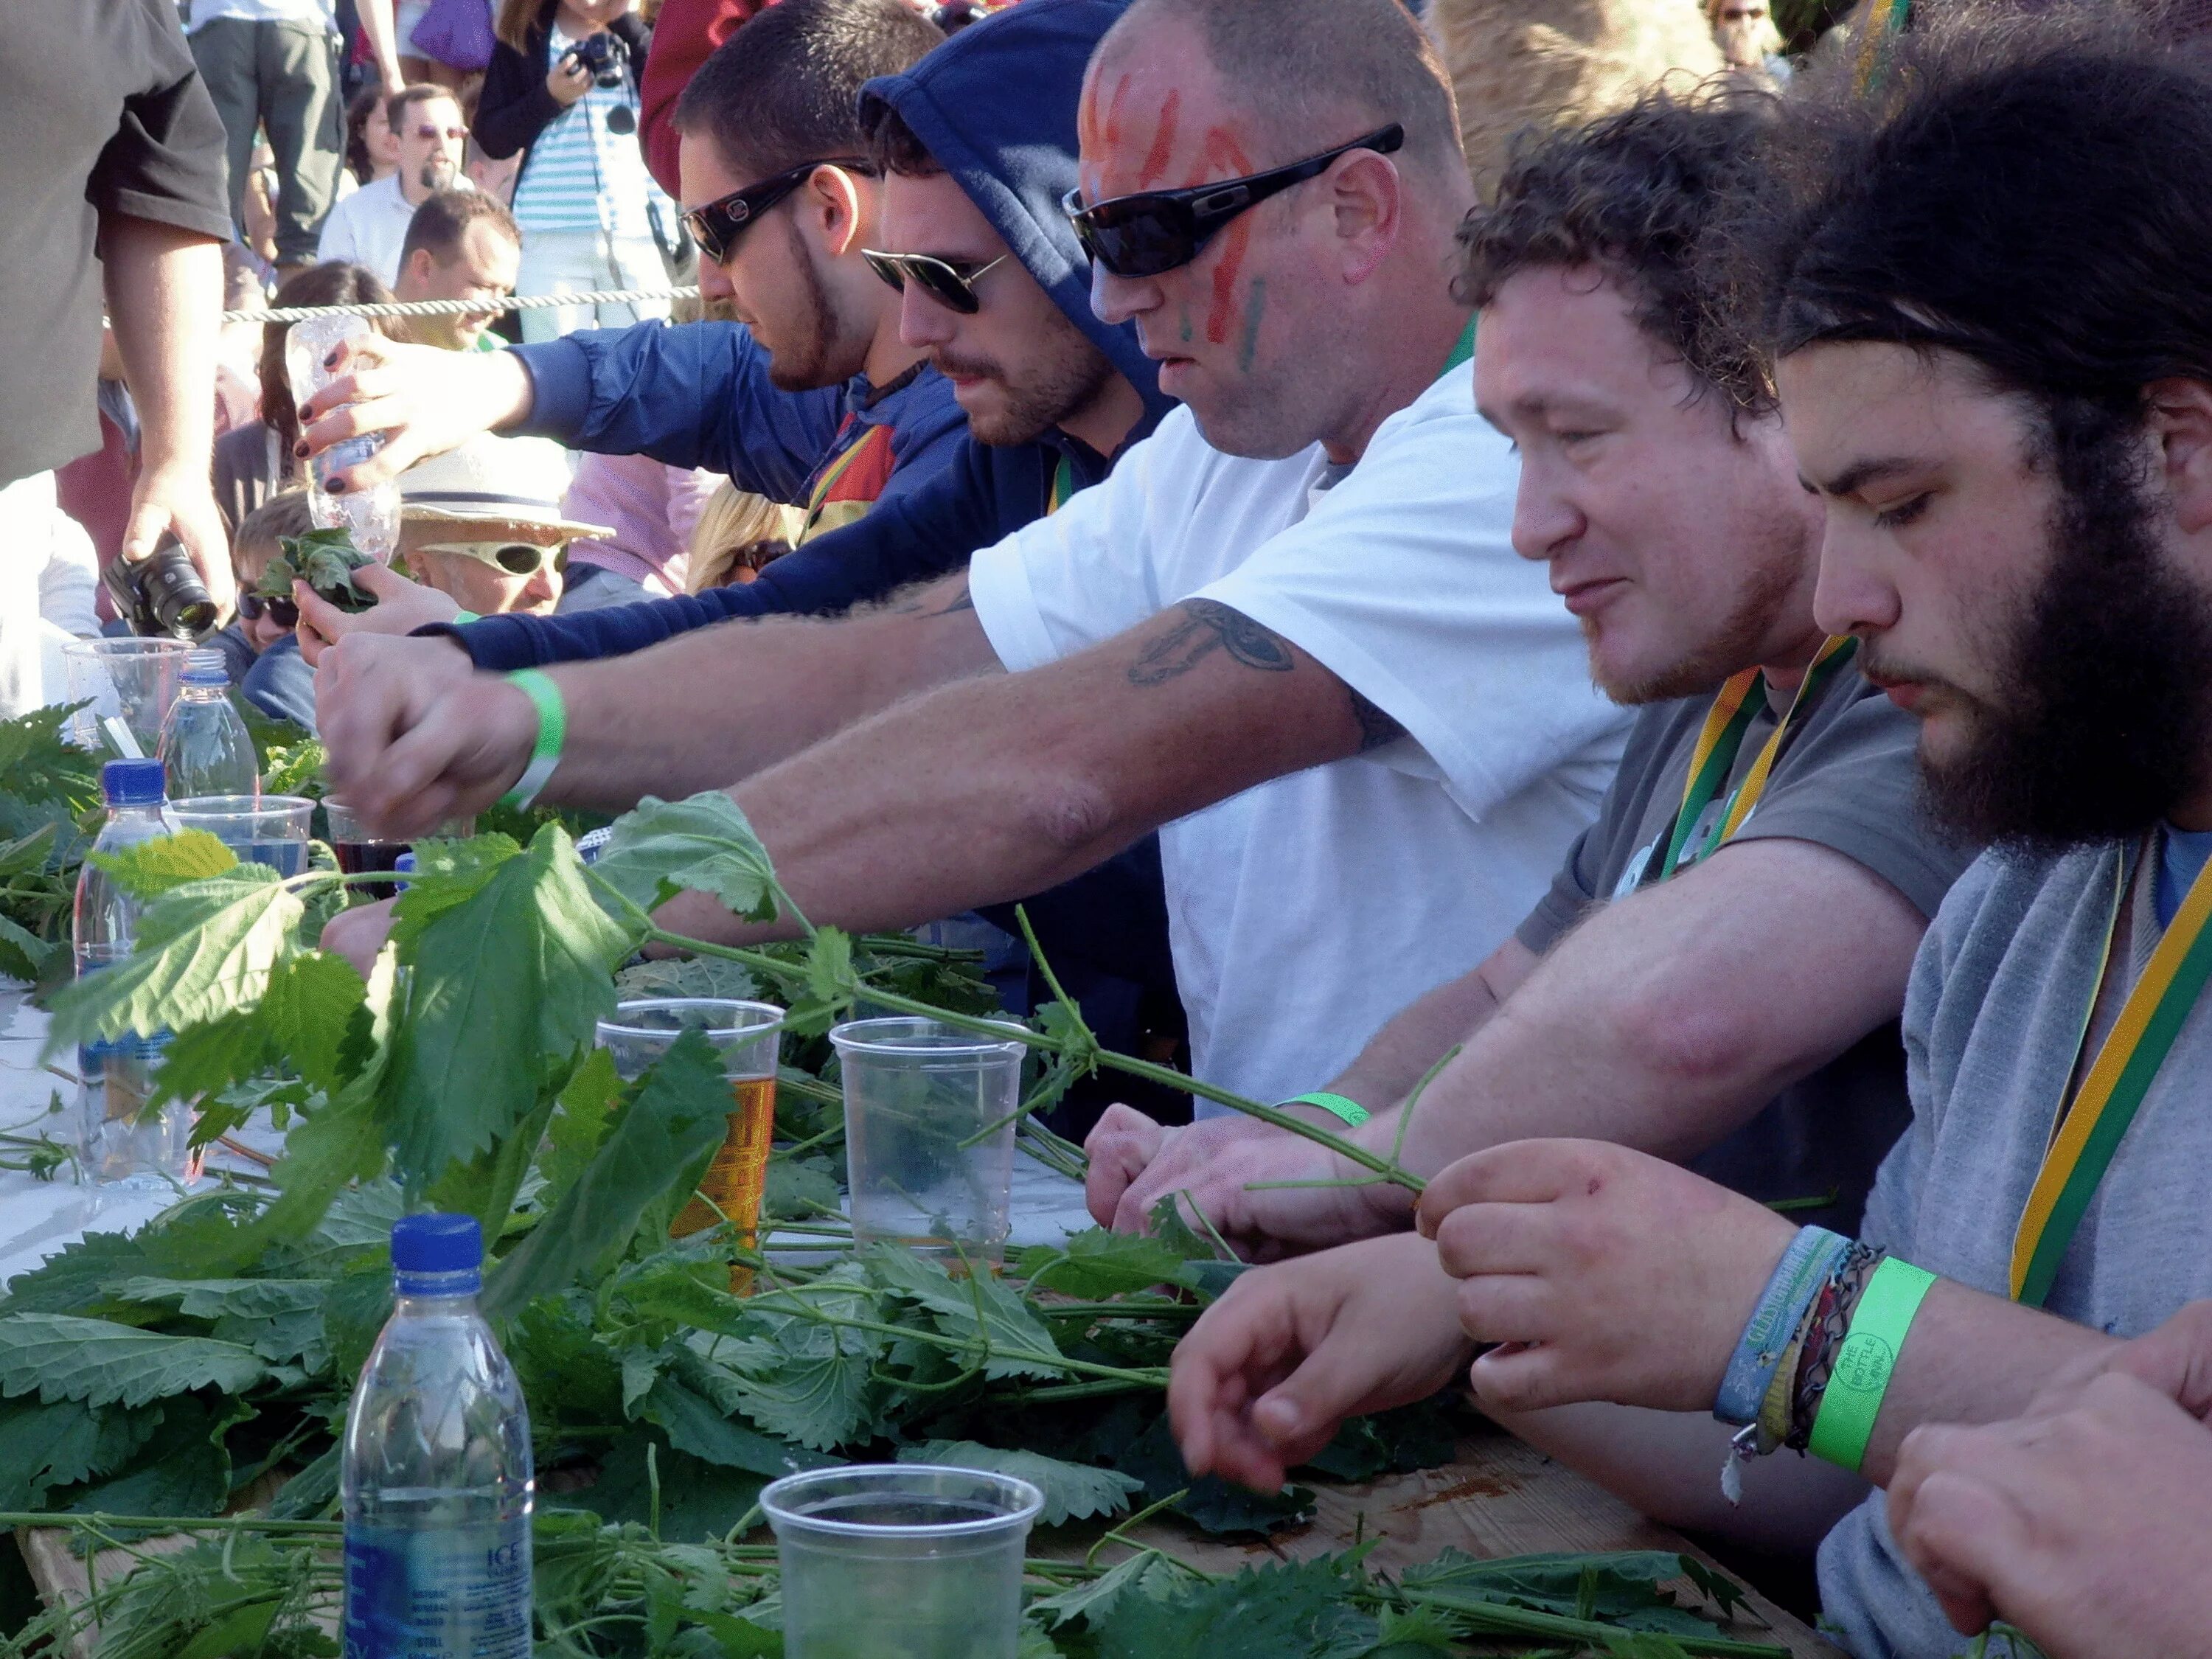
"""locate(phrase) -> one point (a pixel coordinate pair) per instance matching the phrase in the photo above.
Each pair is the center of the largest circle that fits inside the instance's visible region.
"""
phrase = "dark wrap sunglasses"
(950, 282)
(1157, 230)
(715, 225)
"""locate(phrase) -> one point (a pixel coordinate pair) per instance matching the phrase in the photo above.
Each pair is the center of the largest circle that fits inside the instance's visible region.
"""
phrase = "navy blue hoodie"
(995, 106)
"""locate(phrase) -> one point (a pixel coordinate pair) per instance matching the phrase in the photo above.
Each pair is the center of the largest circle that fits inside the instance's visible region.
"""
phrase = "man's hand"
(2089, 1529)
(1264, 1379)
(358, 934)
(401, 607)
(426, 398)
(1135, 1163)
(416, 736)
(1607, 1274)
(2176, 1359)
(180, 499)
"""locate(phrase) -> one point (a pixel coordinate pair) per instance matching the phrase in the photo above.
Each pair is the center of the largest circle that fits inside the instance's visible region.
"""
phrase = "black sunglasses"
(284, 612)
(715, 226)
(950, 282)
(1157, 230)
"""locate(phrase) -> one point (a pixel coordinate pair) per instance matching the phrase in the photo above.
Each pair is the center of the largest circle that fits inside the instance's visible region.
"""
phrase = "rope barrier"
(611, 296)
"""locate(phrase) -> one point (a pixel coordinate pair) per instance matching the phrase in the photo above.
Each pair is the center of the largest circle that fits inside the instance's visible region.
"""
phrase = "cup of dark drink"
(361, 852)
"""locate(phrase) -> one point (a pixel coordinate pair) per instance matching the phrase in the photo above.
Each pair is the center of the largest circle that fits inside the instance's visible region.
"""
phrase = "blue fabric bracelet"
(1797, 1277)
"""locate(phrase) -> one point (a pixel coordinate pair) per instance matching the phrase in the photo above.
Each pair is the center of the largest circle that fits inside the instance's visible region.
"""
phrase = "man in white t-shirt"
(370, 228)
(1289, 631)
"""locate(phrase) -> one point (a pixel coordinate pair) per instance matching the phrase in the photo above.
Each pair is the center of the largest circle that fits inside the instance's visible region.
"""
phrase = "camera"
(605, 55)
(162, 593)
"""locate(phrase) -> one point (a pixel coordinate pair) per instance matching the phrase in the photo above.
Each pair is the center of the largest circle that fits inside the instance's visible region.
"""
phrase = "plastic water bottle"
(372, 515)
(116, 1140)
(204, 743)
(436, 1478)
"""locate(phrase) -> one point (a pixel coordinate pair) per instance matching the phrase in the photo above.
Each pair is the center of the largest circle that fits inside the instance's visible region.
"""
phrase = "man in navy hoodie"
(994, 111)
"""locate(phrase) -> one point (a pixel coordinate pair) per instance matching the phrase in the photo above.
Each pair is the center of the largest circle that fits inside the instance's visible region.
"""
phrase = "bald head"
(1310, 72)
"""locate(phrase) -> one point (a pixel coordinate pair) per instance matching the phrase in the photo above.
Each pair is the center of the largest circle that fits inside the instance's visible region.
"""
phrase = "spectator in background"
(258, 648)
(372, 147)
(591, 214)
(684, 33)
(738, 532)
(492, 175)
(273, 65)
(255, 461)
(1744, 30)
(370, 228)
(49, 578)
(461, 245)
(110, 135)
(653, 509)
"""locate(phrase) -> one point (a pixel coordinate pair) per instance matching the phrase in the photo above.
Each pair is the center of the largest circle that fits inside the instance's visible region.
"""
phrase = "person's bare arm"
(164, 287)
(1664, 1021)
(994, 789)
(379, 23)
(416, 737)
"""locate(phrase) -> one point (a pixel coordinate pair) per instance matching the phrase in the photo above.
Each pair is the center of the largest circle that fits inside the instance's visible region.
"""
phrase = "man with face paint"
(1288, 630)
(1998, 379)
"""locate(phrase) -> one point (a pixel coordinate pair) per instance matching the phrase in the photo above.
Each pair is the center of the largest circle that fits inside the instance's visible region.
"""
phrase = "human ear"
(1365, 195)
(2181, 421)
(835, 202)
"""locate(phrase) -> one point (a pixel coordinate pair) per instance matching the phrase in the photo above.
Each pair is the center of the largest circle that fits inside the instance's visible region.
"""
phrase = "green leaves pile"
(46, 786)
(153, 1381)
(324, 559)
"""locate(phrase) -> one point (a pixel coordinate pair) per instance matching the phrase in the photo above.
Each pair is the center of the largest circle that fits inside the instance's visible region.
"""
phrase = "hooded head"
(978, 141)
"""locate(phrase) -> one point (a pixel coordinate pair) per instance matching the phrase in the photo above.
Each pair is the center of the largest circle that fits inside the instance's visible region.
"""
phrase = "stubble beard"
(1732, 648)
(1058, 380)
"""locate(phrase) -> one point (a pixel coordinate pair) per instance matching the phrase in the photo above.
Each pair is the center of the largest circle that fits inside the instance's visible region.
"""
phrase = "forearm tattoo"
(1208, 626)
(1375, 726)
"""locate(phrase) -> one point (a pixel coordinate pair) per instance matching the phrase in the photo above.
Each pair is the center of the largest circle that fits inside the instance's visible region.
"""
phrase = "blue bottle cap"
(436, 1244)
(131, 782)
(404, 864)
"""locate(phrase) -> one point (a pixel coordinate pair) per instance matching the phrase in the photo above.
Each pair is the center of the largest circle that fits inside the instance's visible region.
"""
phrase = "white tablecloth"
(38, 1217)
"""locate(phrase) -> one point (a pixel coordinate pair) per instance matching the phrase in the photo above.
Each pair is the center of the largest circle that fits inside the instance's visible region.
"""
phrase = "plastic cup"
(361, 851)
(746, 1035)
(901, 1561)
(137, 679)
(271, 830)
(929, 1134)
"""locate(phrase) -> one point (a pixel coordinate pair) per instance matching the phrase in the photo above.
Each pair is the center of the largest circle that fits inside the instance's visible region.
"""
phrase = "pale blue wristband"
(1796, 1280)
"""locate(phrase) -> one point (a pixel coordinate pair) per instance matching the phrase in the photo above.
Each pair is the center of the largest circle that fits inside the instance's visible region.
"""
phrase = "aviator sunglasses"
(950, 282)
(715, 225)
(1157, 230)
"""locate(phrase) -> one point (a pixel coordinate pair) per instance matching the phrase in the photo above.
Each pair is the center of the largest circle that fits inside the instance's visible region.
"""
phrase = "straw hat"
(488, 480)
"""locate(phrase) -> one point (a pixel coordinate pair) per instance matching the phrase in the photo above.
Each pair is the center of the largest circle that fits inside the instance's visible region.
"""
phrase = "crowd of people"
(1657, 701)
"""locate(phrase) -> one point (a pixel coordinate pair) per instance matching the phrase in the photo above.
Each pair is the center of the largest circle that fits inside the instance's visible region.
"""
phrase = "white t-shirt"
(1307, 911)
(369, 226)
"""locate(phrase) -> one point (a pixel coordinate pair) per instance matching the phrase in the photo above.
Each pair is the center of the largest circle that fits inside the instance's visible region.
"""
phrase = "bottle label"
(459, 1592)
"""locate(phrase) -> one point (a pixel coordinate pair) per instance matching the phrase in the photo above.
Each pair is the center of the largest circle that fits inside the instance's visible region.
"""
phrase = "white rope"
(611, 296)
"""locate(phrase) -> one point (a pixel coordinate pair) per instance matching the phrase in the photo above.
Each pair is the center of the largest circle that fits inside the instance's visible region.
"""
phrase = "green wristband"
(552, 733)
(1352, 1113)
(1866, 1362)
(462, 618)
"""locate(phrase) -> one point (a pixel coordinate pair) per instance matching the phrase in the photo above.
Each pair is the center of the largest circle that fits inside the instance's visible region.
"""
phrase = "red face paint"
(1164, 137)
(1225, 159)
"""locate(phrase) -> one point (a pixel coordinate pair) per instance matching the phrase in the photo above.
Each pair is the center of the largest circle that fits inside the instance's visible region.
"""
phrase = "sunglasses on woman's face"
(516, 558)
(1158, 230)
(950, 282)
(715, 226)
(252, 607)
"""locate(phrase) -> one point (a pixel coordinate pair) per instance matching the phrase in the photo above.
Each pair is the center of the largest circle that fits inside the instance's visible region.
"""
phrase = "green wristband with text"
(552, 733)
(1866, 1362)
(1349, 1111)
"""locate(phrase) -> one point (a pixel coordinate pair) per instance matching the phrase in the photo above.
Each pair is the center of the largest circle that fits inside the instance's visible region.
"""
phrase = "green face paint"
(1186, 325)
(1254, 308)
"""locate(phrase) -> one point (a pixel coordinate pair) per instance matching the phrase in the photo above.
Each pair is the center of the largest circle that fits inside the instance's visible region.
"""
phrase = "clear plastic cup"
(746, 1035)
(901, 1561)
(137, 679)
(271, 830)
(929, 1134)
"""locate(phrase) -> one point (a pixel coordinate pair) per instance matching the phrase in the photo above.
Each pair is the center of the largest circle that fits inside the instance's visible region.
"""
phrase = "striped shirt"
(582, 175)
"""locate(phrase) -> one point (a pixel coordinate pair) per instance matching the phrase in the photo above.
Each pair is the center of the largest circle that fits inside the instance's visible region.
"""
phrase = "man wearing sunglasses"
(370, 228)
(1290, 634)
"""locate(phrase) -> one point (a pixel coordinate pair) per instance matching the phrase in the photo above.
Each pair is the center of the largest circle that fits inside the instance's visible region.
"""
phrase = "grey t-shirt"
(1847, 780)
(1991, 1023)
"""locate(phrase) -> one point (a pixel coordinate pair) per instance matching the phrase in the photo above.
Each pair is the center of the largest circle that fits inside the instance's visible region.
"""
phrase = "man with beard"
(370, 228)
(1999, 382)
(1656, 996)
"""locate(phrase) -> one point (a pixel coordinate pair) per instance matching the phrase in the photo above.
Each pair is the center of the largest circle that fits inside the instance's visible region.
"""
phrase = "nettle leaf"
(820, 1389)
(677, 1115)
(703, 843)
(1622, 1588)
(310, 1007)
(1295, 1611)
(341, 1142)
(978, 1306)
(216, 1299)
(206, 949)
(507, 986)
(183, 1469)
(102, 1363)
(1072, 1492)
(579, 1123)
(148, 869)
(41, 766)
(1097, 1264)
(693, 1425)
(61, 1443)
(23, 954)
(1147, 1573)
